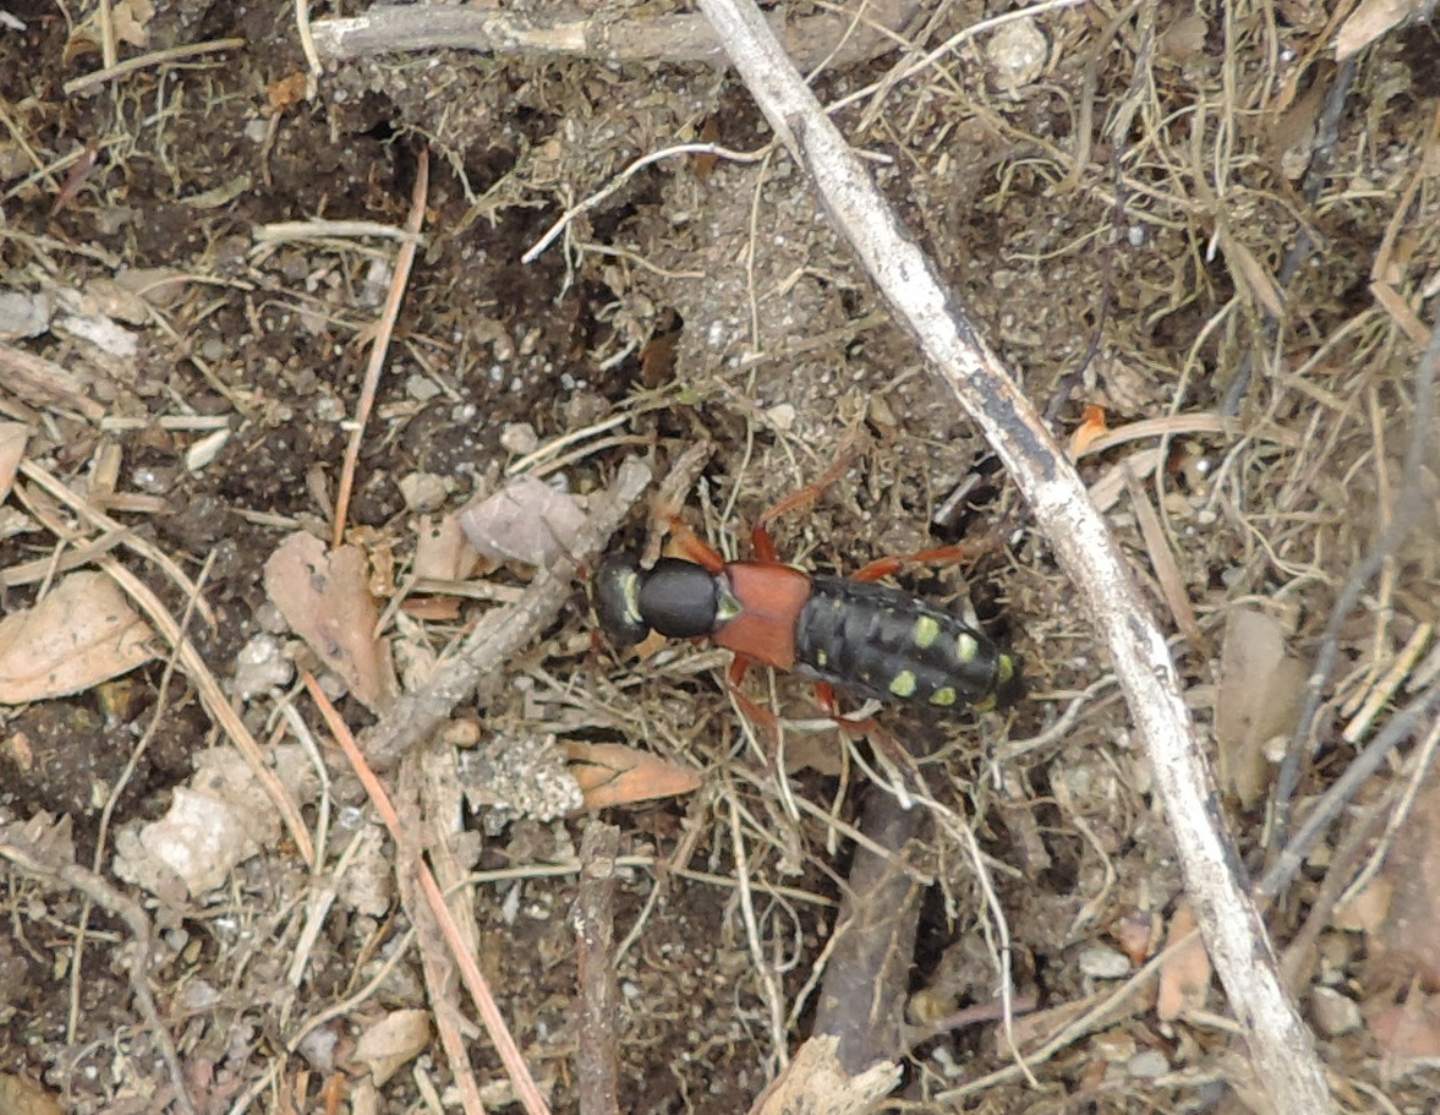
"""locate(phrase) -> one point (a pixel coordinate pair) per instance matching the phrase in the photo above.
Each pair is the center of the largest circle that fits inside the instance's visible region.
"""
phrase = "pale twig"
(380, 345)
(611, 38)
(1280, 1043)
(145, 61)
(596, 1058)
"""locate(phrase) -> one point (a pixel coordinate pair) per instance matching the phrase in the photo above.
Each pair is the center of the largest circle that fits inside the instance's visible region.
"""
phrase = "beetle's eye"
(617, 600)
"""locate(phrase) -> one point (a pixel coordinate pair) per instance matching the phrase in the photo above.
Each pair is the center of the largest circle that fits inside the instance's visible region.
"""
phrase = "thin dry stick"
(502, 633)
(596, 1077)
(1402, 521)
(672, 38)
(145, 61)
(1282, 1047)
(380, 346)
(475, 983)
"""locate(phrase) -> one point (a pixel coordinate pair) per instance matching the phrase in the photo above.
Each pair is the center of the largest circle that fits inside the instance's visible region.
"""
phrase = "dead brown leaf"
(1404, 940)
(286, 91)
(1252, 275)
(1410, 1029)
(1185, 975)
(1371, 20)
(82, 633)
(1257, 699)
(392, 1042)
(22, 1096)
(326, 600)
(613, 774)
(440, 550)
(526, 521)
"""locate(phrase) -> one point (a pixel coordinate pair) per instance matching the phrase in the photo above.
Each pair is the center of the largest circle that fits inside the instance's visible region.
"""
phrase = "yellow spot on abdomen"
(966, 648)
(903, 684)
(943, 697)
(926, 632)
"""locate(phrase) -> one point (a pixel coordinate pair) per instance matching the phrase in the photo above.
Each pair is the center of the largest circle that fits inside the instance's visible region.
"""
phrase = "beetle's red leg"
(936, 558)
(803, 497)
(761, 717)
(693, 547)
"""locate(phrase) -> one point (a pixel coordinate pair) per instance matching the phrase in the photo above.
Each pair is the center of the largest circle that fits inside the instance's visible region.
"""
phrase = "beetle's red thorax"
(771, 597)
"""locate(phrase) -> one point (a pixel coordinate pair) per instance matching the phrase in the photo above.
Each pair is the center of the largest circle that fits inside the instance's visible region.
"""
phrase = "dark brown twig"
(596, 1058)
(502, 633)
(862, 998)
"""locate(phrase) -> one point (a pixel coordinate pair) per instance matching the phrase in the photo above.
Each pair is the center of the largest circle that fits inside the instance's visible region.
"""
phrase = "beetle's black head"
(617, 600)
(679, 598)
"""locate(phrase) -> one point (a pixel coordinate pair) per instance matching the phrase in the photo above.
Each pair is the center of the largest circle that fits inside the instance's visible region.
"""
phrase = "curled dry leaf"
(1257, 700)
(613, 774)
(1092, 426)
(327, 602)
(391, 1043)
(526, 521)
(82, 633)
(1185, 974)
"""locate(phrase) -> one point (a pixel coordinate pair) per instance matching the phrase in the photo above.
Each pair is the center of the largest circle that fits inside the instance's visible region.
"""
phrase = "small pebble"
(519, 438)
(1334, 1013)
(1016, 54)
(1100, 962)
(1148, 1065)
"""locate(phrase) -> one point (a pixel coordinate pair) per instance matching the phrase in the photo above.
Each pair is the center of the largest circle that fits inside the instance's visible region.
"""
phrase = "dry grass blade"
(1162, 561)
(380, 345)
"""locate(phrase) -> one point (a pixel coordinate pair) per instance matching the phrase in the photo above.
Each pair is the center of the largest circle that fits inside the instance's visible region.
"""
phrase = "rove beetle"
(851, 633)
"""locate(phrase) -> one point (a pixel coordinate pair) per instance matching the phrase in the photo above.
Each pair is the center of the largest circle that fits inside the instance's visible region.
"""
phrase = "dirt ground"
(1190, 228)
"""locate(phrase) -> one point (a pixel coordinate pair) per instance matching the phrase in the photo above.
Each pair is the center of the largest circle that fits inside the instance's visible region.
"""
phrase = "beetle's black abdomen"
(879, 642)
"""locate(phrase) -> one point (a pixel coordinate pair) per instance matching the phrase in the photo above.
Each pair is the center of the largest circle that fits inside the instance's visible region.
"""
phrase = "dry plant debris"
(325, 597)
(1205, 241)
(81, 633)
